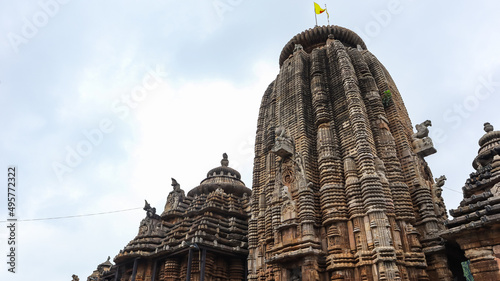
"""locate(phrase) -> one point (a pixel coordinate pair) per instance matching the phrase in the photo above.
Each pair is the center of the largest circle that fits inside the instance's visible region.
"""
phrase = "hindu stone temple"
(341, 189)
(198, 236)
(475, 226)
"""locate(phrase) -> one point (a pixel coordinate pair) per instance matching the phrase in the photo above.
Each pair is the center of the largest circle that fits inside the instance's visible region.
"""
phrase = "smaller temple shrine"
(103, 269)
(198, 236)
(475, 226)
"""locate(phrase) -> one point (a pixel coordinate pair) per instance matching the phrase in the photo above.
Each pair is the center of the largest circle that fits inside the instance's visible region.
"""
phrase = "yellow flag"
(318, 9)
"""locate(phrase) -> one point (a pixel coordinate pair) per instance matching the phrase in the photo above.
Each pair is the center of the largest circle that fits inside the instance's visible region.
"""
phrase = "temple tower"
(201, 236)
(341, 190)
(475, 227)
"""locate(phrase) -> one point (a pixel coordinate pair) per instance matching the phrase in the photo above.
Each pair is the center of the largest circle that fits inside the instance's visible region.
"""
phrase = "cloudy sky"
(104, 101)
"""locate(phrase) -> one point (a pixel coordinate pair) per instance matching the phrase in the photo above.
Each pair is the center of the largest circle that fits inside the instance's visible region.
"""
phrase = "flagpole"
(316, 18)
(328, 16)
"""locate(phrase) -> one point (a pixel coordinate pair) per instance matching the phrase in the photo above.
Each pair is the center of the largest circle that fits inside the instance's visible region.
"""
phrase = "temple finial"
(488, 127)
(224, 162)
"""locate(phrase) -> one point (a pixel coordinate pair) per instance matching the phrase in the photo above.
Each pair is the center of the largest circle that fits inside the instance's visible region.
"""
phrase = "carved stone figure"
(150, 212)
(380, 168)
(440, 181)
(176, 196)
(300, 171)
(296, 275)
(176, 186)
(422, 130)
(75, 278)
(422, 143)
(440, 208)
(288, 208)
(298, 47)
(283, 145)
(495, 190)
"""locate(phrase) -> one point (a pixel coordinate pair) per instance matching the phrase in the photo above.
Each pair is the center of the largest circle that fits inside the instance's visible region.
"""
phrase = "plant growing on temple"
(386, 98)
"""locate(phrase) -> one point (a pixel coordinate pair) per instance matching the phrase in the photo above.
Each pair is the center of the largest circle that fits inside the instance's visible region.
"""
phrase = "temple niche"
(341, 189)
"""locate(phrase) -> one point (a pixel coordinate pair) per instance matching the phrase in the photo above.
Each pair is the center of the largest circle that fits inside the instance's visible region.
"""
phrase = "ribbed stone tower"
(341, 190)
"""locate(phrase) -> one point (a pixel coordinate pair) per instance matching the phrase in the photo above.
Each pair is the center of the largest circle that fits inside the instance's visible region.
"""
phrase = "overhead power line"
(77, 216)
(453, 190)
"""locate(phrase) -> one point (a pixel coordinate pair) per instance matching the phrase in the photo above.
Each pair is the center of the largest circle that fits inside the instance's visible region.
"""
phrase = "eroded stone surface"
(350, 197)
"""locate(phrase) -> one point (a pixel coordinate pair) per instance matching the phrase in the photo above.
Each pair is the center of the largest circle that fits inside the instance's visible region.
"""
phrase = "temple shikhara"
(341, 189)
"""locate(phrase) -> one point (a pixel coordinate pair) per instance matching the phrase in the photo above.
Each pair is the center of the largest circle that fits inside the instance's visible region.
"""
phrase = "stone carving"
(422, 130)
(487, 154)
(422, 143)
(75, 278)
(283, 145)
(149, 226)
(485, 159)
(296, 275)
(150, 211)
(288, 208)
(300, 171)
(380, 168)
(176, 196)
(298, 47)
(495, 190)
(439, 206)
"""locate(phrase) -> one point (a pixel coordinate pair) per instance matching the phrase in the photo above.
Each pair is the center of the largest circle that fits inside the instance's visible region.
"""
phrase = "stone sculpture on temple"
(422, 143)
(175, 197)
(439, 206)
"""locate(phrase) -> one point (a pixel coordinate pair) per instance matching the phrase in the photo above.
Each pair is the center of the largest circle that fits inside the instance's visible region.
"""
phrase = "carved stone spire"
(333, 163)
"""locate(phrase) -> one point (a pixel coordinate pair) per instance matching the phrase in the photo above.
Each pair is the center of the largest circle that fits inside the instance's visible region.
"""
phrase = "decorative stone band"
(317, 36)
